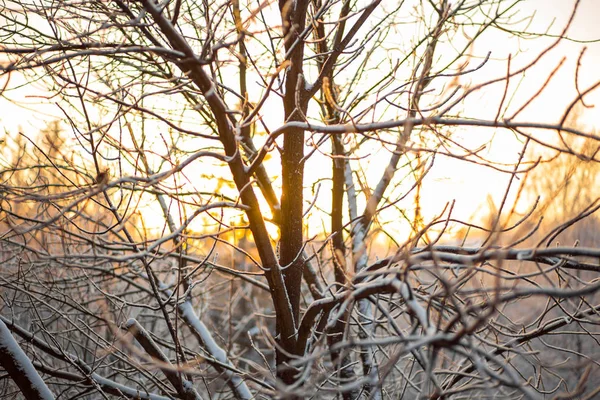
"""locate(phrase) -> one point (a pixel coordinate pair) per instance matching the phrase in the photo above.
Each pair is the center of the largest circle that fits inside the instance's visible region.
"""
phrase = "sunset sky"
(470, 185)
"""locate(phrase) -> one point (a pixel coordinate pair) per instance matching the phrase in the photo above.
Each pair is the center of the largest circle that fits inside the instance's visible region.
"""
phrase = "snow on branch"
(14, 360)
(471, 255)
(104, 384)
(207, 341)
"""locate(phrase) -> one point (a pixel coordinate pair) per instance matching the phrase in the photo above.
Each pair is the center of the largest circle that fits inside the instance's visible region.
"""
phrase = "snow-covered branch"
(214, 351)
(14, 361)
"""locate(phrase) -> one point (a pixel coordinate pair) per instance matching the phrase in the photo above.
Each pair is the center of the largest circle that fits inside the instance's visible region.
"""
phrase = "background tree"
(233, 207)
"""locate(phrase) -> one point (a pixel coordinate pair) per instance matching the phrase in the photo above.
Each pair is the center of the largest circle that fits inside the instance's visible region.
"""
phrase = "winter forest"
(299, 199)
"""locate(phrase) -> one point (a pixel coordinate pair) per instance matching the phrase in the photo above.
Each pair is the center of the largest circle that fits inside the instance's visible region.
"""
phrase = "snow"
(366, 317)
(359, 248)
(8, 345)
(416, 308)
(130, 392)
(130, 322)
(349, 182)
(188, 314)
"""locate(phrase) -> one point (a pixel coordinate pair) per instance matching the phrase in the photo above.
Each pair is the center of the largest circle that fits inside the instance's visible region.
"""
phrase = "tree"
(173, 238)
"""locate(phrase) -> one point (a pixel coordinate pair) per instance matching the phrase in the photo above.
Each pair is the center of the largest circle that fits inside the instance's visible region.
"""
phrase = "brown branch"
(285, 316)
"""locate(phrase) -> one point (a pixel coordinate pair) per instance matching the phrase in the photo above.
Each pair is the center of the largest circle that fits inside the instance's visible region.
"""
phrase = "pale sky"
(450, 179)
(470, 184)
